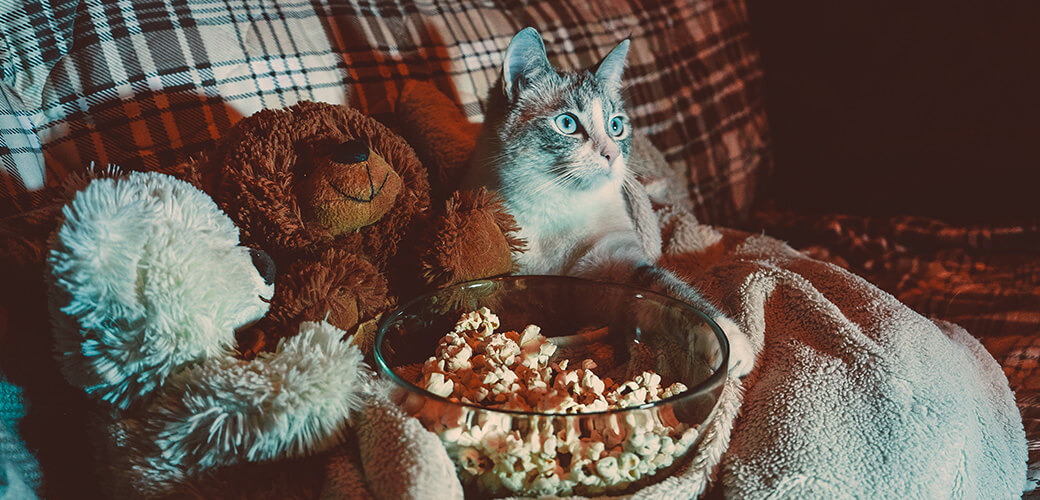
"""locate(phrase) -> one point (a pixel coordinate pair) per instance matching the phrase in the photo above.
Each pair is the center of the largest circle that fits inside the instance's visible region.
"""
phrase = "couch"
(147, 85)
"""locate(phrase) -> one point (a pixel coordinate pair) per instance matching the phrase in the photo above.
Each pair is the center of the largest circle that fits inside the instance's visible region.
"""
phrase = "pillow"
(146, 85)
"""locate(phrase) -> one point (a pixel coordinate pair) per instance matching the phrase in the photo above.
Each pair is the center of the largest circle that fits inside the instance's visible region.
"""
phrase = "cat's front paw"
(741, 354)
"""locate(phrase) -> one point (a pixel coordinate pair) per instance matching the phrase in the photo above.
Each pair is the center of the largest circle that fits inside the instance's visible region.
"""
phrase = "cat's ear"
(525, 60)
(609, 70)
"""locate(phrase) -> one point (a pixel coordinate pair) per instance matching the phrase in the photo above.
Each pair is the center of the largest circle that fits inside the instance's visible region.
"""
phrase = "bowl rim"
(717, 377)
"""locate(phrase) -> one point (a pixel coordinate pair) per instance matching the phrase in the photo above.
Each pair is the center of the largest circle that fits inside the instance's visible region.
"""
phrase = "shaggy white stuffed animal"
(148, 284)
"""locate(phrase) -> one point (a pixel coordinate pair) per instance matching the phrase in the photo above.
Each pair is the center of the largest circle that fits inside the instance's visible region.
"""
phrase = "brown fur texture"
(259, 175)
(476, 236)
(23, 237)
(353, 278)
(475, 240)
(442, 137)
(338, 285)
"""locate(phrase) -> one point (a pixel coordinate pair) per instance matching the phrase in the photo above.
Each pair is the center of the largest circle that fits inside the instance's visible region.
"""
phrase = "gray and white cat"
(554, 146)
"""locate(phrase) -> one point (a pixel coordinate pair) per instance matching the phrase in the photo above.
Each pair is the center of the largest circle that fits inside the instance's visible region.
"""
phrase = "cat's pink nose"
(610, 151)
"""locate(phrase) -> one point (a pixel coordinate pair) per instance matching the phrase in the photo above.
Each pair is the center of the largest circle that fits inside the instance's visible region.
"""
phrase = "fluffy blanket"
(19, 472)
(854, 394)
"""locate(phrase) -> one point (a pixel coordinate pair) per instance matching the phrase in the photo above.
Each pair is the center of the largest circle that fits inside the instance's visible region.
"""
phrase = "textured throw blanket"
(854, 395)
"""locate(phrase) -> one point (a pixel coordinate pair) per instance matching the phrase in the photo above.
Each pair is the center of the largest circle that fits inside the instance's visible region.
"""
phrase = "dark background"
(920, 108)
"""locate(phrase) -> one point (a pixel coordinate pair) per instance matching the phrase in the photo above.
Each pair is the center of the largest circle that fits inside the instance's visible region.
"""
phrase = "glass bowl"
(506, 452)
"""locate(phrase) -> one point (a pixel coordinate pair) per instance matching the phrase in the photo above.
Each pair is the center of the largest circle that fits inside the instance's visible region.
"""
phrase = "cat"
(554, 146)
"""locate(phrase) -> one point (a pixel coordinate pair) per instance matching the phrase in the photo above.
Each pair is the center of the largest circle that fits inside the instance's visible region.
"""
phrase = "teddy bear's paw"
(339, 286)
(320, 348)
(401, 459)
(474, 238)
(289, 403)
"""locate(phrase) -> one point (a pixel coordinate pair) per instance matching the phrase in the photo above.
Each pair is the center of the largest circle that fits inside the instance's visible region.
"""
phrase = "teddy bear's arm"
(474, 238)
(289, 403)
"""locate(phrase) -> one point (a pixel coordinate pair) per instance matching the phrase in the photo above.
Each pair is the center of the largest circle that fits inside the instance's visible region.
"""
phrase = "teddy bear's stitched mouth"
(372, 189)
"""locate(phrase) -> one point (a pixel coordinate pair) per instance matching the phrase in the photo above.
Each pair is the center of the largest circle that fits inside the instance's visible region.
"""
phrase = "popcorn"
(628, 464)
(645, 445)
(672, 390)
(613, 434)
(437, 384)
(483, 322)
(607, 468)
(530, 336)
(458, 355)
(501, 351)
(592, 383)
(593, 449)
(662, 460)
(686, 440)
(667, 446)
(470, 460)
(544, 455)
(545, 485)
(582, 473)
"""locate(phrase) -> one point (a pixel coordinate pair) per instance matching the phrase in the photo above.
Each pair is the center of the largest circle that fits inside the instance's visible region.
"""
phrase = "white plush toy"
(148, 284)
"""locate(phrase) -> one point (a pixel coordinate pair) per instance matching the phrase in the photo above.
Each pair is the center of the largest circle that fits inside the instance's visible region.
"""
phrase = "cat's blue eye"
(566, 123)
(616, 126)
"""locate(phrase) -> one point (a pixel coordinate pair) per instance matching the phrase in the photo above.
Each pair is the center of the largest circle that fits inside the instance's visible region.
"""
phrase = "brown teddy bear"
(343, 206)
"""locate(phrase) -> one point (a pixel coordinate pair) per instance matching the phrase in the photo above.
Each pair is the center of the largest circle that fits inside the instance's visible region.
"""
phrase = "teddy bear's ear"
(442, 137)
(24, 237)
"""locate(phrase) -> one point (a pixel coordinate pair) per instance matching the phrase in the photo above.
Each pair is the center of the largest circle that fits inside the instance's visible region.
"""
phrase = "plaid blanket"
(145, 85)
(985, 278)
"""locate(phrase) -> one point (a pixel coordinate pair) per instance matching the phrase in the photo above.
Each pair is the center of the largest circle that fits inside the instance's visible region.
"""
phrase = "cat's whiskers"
(546, 186)
(580, 213)
(629, 182)
(569, 174)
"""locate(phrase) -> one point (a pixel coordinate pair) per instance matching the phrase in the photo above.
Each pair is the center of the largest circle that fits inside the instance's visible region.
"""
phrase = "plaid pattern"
(147, 84)
(985, 278)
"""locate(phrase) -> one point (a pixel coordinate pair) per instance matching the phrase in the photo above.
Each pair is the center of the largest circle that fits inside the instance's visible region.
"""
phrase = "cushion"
(146, 85)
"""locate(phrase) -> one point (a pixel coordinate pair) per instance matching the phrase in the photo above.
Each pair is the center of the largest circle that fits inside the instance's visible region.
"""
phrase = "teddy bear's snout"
(264, 264)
